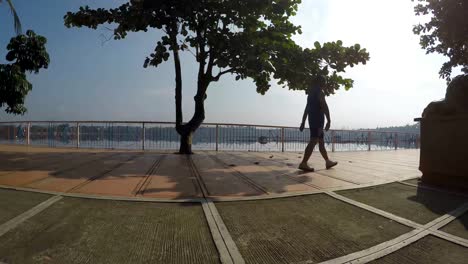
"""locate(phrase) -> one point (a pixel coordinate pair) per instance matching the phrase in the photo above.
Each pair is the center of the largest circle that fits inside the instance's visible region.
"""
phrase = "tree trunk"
(178, 81)
(182, 130)
(186, 143)
(186, 130)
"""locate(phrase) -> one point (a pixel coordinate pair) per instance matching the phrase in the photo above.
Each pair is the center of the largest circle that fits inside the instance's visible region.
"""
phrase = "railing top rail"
(88, 122)
(207, 124)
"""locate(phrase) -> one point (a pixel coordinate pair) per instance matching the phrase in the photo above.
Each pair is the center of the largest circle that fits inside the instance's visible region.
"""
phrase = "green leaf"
(27, 53)
(317, 45)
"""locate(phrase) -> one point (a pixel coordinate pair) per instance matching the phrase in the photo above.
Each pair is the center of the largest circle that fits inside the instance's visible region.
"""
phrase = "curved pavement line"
(16, 221)
(196, 199)
(104, 197)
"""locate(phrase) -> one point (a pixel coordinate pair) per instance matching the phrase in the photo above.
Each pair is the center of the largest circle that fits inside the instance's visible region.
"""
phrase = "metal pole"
(77, 135)
(396, 140)
(369, 139)
(217, 137)
(28, 134)
(50, 135)
(333, 140)
(282, 139)
(143, 134)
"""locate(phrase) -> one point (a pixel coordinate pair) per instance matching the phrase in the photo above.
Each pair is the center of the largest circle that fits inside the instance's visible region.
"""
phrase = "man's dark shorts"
(316, 132)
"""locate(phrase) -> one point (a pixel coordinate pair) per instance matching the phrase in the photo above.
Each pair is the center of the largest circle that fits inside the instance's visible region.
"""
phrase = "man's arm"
(304, 117)
(324, 108)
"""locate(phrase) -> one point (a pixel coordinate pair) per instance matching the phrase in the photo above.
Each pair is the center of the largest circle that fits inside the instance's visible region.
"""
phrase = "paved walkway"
(226, 207)
(206, 174)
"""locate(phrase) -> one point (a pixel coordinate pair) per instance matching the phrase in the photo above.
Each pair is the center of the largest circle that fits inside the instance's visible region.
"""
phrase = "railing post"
(28, 134)
(217, 136)
(396, 140)
(50, 135)
(369, 140)
(333, 140)
(77, 135)
(282, 139)
(143, 135)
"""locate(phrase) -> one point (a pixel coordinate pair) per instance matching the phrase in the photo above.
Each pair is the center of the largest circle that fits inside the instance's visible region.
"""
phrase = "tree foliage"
(248, 39)
(298, 68)
(27, 54)
(446, 32)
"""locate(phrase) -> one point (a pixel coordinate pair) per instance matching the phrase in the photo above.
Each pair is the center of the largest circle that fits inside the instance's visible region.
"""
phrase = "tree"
(26, 53)
(249, 39)
(446, 32)
(16, 19)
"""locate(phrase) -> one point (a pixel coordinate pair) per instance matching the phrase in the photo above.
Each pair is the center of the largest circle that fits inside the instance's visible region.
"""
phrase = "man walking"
(315, 111)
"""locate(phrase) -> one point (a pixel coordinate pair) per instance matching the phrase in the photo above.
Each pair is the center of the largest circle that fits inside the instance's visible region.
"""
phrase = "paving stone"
(413, 203)
(101, 231)
(429, 249)
(310, 228)
(14, 203)
(458, 227)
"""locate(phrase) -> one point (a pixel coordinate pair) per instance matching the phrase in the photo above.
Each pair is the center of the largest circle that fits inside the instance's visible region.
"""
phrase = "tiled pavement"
(70, 206)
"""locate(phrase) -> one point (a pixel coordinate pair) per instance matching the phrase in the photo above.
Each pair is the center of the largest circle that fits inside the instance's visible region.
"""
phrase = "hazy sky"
(90, 81)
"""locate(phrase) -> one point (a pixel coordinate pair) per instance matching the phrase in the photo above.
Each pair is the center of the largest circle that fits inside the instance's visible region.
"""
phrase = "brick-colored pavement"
(171, 176)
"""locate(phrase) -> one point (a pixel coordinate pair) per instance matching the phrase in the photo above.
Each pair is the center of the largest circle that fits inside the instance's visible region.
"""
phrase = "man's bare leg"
(323, 151)
(307, 153)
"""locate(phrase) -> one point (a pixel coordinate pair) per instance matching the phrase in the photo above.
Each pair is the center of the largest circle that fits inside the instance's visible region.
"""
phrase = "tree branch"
(201, 56)
(187, 47)
(216, 78)
(209, 69)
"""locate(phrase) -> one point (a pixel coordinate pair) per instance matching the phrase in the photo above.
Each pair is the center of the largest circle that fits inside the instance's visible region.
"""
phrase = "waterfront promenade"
(65, 205)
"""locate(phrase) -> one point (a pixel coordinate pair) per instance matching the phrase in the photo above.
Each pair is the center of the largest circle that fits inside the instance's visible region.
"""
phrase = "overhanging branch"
(216, 78)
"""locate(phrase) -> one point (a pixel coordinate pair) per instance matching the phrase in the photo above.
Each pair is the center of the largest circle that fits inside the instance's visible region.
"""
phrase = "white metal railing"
(148, 135)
